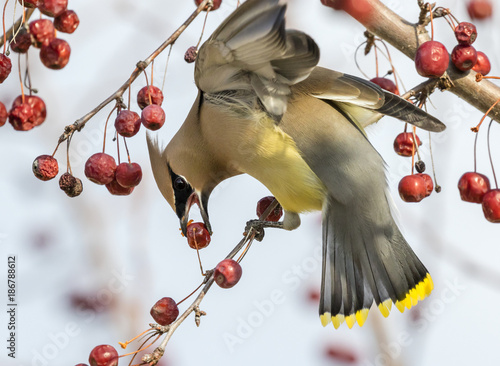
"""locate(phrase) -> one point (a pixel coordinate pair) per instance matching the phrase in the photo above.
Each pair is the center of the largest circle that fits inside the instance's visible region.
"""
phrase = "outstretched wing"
(349, 93)
(252, 51)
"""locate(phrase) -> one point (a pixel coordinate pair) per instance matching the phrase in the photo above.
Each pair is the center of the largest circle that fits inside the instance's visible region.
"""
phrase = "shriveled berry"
(431, 59)
(429, 185)
(412, 188)
(127, 123)
(341, 354)
(100, 168)
(386, 84)
(42, 31)
(262, 206)
(491, 206)
(45, 167)
(216, 4)
(466, 33)
(55, 55)
(103, 355)
(3, 114)
(5, 67)
(67, 21)
(37, 106)
(22, 41)
(473, 186)
(53, 8)
(71, 185)
(483, 65)
(190, 55)
(19, 117)
(403, 143)
(165, 311)
(128, 174)
(147, 92)
(227, 273)
(30, 3)
(464, 57)
(117, 190)
(420, 166)
(480, 9)
(197, 235)
(153, 117)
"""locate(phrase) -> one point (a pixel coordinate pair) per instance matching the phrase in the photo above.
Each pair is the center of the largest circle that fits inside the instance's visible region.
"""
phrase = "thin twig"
(141, 65)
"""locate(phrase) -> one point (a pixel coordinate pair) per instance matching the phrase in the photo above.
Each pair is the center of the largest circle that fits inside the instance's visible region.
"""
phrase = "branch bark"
(406, 37)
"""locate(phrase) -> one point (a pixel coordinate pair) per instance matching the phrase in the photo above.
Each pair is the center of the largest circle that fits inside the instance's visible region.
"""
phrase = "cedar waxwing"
(266, 109)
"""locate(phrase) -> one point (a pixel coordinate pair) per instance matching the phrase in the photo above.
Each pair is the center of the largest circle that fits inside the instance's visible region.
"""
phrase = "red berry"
(464, 57)
(190, 55)
(55, 55)
(403, 143)
(30, 3)
(145, 93)
(165, 311)
(117, 190)
(67, 21)
(42, 31)
(37, 106)
(45, 167)
(480, 9)
(53, 8)
(263, 204)
(429, 185)
(153, 117)
(214, 7)
(103, 355)
(227, 273)
(466, 33)
(127, 123)
(128, 174)
(5, 67)
(432, 59)
(3, 114)
(483, 65)
(473, 186)
(491, 205)
(70, 185)
(412, 188)
(22, 42)
(197, 235)
(386, 84)
(100, 168)
(19, 117)
(340, 354)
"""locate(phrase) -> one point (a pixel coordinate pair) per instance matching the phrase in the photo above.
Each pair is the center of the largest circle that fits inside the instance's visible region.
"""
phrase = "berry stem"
(191, 294)
(117, 146)
(166, 67)
(142, 346)
(105, 129)
(437, 187)
(203, 29)
(489, 153)
(476, 128)
(68, 164)
(20, 76)
(432, 23)
(16, 26)
(356, 60)
(3, 27)
(198, 252)
(475, 152)
(376, 61)
(388, 56)
(125, 344)
(126, 148)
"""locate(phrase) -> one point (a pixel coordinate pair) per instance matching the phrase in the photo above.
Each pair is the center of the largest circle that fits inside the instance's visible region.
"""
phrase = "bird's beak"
(195, 198)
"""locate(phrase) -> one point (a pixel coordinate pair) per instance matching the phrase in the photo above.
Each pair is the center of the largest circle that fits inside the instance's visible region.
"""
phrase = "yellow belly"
(273, 158)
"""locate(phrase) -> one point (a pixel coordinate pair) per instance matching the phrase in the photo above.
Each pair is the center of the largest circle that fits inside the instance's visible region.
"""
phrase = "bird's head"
(180, 182)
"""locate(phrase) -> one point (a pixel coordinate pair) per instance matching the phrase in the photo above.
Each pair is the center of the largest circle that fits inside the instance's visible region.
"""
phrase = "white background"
(126, 252)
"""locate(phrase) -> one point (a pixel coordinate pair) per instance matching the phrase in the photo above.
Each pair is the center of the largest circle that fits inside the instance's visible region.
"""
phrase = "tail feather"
(364, 263)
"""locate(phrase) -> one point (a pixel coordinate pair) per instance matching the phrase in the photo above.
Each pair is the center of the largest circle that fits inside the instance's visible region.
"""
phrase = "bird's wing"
(349, 93)
(252, 51)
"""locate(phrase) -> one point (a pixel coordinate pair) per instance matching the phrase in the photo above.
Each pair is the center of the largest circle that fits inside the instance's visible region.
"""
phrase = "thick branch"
(406, 37)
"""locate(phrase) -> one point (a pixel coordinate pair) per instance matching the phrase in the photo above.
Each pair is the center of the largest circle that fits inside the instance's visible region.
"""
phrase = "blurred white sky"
(128, 249)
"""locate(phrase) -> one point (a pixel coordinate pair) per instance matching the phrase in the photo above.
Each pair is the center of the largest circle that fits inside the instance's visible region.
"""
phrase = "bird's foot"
(259, 225)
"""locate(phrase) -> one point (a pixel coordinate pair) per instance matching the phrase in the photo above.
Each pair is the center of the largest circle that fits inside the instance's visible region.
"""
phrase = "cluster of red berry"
(29, 111)
(475, 187)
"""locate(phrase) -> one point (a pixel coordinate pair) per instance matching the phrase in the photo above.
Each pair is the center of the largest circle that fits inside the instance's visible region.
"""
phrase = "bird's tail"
(366, 259)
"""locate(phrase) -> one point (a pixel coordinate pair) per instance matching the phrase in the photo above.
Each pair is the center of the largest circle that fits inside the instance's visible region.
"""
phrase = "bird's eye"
(180, 184)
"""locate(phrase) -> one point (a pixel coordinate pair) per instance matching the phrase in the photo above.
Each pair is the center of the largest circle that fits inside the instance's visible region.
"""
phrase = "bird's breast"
(272, 157)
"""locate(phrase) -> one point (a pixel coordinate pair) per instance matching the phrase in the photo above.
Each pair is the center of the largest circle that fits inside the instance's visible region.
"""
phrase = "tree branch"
(406, 37)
